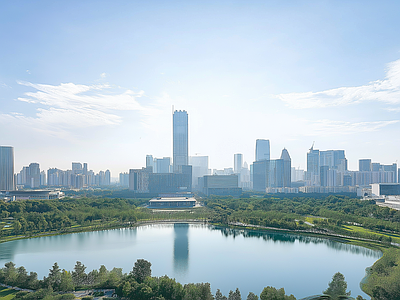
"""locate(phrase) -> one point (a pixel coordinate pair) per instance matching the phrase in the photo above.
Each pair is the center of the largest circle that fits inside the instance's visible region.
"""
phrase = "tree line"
(138, 284)
(289, 213)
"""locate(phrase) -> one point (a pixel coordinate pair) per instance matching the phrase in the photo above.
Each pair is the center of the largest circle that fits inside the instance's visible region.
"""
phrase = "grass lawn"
(395, 237)
(7, 294)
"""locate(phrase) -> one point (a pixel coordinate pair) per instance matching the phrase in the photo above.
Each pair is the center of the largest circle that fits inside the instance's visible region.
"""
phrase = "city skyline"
(98, 86)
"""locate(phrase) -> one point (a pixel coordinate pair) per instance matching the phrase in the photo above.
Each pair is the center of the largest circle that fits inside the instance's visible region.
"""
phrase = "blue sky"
(95, 81)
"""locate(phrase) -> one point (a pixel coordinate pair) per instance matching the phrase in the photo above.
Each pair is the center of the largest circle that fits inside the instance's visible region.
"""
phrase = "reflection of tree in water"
(7, 252)
(181, 248)
(291, 238)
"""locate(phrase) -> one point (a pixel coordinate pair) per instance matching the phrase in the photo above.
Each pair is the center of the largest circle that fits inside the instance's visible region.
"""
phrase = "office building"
(124, 179)
(334, 159)
(149, 161)
(237, 163)
(313, 166)
(34, 175)
(262, 150)
(287, 168)
(139, 180)
(7, 168)
(199, 168)
(223, 185)
(161, 183)
(273, 173)
(364, 165)
(162, 165)
(180, 139)
(77, 168)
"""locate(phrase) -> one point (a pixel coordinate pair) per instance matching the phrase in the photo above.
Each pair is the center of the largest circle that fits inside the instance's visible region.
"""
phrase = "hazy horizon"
(96, 81)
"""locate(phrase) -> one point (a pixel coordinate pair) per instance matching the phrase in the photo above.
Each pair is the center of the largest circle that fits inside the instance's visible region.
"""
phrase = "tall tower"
(287, 168)
(6, 168)
(180, 139)
(313, 166)
(238, 163)
(262, 150)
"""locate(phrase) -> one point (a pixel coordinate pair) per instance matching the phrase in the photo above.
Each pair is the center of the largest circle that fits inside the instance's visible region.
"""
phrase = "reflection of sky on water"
(181, 249)
(226, 258)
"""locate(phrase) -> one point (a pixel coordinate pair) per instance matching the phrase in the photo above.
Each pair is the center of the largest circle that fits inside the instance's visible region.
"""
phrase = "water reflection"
(181, 248)
(83, 241)
(292, 238)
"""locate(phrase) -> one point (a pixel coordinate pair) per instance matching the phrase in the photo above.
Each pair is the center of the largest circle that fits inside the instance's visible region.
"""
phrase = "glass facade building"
(7, 168)
(262, 150)
(180, 139)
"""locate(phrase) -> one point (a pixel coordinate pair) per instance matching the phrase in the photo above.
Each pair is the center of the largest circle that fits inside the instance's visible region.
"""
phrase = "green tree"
(141, 270)
(10, 273)
(252, 296)
(271, 293)
(337, 287)
(170, 289)
(219, 296)
(17, 227)
(234, 295)
(79, 275)
(198, 291)
(54, 278)
(102, 276)
(66, 282)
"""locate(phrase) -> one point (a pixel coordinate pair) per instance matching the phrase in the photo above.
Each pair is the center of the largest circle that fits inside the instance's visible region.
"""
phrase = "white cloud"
(329, 127)
(103, 75)
(387, 91)
(67, 106)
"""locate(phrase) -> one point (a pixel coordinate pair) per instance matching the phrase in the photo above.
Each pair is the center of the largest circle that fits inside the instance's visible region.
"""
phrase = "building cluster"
(326, 172)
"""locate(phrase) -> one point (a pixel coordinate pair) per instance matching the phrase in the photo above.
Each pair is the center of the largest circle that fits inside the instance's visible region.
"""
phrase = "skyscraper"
(180, 139)
(364, 165)
(6, 168)
(150, 162)
(238, 163)
(262, 150)
(313, 166)
(287, 168)
(34, 175)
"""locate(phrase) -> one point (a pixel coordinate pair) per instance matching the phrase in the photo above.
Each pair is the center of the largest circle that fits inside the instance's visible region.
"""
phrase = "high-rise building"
(262, 150)
(77, 168)
(287, 168)
(334, 159)
(364, 165)
(43, 180)
(313, 166)
(180, 139)
(238, 163)
(34, 175)
(7, 168)
(124, 179)
(161, 165)
(199, 168)
(150, 161)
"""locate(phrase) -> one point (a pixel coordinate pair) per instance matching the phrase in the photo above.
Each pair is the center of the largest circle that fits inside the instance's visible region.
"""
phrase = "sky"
(96, 81)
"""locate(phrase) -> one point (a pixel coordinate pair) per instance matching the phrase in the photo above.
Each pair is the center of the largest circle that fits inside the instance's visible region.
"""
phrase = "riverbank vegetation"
(138, 285)
(21, 219)
(335, 215)
(332, 214)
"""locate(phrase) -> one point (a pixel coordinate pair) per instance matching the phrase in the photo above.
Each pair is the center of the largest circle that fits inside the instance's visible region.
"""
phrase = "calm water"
(194, 253)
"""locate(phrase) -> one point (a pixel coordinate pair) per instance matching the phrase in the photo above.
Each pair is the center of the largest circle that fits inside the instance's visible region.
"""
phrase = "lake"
(227, 258)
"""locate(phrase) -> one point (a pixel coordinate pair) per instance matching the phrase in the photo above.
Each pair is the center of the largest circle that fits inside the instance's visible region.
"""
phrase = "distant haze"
(95, 81)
